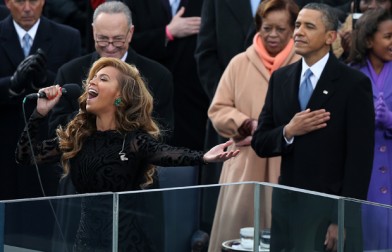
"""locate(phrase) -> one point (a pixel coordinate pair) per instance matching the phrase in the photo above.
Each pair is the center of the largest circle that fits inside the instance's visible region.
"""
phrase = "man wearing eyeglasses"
(166, 31)
(112, 31)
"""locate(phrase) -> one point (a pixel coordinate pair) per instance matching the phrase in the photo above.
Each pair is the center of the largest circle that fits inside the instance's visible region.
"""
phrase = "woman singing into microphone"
(110, 145)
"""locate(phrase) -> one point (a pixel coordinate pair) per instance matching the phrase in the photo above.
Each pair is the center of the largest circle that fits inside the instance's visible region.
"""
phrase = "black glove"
(22, 76)
(39, 66)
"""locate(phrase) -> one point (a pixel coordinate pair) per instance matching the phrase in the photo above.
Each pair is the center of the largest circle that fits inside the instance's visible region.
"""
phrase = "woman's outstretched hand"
(218, 154)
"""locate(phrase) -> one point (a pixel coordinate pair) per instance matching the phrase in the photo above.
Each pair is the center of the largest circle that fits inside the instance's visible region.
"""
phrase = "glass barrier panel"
(169, 220)
(241, 211)
(160, 220)
(247, 216)
(2, 218)
(375, 225)
(64, 223)
(296, 219)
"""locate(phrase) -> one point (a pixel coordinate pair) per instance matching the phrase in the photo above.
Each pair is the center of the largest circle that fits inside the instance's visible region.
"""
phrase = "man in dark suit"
(113, 31)
(20, 75)
(75, 13)
(167, 33)
(24, 73)
(4, 12)
(227, 28)
(327, 147)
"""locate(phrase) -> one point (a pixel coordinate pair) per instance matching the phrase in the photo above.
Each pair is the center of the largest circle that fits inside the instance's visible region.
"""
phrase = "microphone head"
(72, 90)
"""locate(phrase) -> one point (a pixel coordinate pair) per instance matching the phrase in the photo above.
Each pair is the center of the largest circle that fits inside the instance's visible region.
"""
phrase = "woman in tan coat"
(234, 111)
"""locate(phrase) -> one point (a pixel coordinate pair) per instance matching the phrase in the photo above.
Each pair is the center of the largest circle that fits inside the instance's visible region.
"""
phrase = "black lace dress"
(108, 162)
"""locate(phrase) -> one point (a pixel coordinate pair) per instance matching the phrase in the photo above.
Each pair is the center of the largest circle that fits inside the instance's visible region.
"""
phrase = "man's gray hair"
(328, 15)
(113, 7)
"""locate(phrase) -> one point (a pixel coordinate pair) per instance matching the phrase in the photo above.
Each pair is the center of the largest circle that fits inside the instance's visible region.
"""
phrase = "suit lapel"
(242, 11)
(95, 57)
(166, 7)
(43, 37)
(290, 86)
(287, 83)
(192, 7)
(326, 85)
(10, 42)
(131, 57)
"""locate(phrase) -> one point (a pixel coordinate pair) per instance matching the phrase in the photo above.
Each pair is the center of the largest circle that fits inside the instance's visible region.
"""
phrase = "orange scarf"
(271, 63)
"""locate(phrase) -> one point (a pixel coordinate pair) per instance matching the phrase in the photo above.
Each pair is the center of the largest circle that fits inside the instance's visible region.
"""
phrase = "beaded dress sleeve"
(46, 151)
(160, 154)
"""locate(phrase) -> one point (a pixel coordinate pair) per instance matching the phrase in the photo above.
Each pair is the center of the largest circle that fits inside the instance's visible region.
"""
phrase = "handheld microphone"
(42, 94)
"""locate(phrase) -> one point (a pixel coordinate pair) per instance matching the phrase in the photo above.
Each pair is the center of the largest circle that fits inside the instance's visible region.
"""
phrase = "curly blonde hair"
(134, 112)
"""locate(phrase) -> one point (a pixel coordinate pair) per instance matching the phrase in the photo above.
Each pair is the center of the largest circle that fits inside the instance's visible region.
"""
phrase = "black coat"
(150, 18)
(227, 29)
(4, 12)
(49, 37)
(336, 159)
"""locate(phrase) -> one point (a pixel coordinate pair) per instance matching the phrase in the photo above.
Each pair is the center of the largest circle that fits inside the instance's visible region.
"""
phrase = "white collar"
(21, 32)
(317, 68)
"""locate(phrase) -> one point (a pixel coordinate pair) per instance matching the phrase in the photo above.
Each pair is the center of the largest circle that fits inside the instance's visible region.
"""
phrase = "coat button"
(383, 148)
(383, 169)
(383, 190)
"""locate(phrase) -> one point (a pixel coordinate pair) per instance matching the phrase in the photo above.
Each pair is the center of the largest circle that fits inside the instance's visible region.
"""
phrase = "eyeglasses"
(23, 2)
(115, 43)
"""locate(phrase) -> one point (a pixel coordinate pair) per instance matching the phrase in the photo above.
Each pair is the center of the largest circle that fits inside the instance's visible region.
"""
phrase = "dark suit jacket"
(60, 43)
(75, 13)
(336, 159)
(4, 12)
(158, 78)
(150, 18)
(227, 28)
(51, 38)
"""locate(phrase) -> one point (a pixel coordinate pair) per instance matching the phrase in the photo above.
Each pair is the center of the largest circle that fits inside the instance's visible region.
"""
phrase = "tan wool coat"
(240, 95)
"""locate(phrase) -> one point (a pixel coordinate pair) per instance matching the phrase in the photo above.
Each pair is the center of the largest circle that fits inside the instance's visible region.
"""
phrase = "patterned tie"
(26, 44)
(305, 90)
